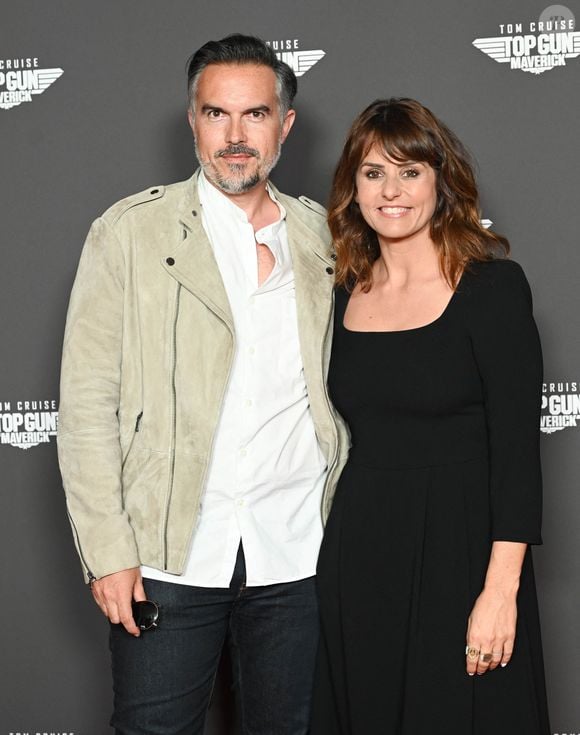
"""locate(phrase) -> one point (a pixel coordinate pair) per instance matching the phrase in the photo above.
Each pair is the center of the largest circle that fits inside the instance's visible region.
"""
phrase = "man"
(198, 447)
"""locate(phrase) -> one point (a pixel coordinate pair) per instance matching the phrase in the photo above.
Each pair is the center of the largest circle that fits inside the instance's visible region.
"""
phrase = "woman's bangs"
(402, 140)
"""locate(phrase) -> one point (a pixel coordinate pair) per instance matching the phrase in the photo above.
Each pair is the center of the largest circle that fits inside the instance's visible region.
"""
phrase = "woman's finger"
(496, 657)
(484, 660)
(472, 652)
(507, 653)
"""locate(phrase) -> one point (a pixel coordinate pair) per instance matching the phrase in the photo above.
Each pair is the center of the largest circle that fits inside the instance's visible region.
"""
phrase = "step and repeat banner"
(92, 108)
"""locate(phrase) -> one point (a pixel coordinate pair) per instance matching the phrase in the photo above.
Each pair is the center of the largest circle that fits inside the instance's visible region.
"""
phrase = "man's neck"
(257, 204)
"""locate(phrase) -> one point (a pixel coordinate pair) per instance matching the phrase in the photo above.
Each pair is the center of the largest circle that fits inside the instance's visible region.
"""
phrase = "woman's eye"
(373, 173)
(410, 173)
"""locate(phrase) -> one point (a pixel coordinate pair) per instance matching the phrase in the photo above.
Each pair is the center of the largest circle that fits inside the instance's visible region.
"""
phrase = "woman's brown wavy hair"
(408, 131)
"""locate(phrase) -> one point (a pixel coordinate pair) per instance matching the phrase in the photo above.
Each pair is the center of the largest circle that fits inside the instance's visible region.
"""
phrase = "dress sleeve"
(508, 354)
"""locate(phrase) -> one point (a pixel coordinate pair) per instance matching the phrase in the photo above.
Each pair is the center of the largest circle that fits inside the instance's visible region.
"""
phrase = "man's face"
(237, 126)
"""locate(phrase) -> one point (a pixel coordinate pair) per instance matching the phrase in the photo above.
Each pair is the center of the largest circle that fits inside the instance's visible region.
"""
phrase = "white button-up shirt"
(266, 475)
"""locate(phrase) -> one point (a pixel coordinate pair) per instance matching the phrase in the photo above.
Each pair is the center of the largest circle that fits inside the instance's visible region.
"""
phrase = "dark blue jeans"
(163, 680)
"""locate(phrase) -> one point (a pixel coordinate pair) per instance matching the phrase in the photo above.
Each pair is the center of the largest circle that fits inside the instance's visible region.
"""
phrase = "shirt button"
(240, 502)
(248, 402)
(243, 452)
(251, 350)
(330, 270)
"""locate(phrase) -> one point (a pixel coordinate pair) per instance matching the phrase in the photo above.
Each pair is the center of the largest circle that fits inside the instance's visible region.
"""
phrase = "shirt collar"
(212, 198)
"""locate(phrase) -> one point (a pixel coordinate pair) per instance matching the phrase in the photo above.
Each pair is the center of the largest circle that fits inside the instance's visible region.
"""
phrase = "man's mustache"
(234, 150)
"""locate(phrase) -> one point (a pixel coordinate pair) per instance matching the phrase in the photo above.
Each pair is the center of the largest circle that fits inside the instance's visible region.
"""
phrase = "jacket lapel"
(313, 270)
(194, 264)
(314, 282)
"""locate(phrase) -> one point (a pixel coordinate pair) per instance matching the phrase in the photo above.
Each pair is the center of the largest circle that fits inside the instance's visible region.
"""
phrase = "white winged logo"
(497, 48)
(19, 86)
(301, 61)
(567, 46)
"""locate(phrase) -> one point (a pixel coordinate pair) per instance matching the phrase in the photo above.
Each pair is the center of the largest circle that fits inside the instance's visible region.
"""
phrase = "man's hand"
(115, 593)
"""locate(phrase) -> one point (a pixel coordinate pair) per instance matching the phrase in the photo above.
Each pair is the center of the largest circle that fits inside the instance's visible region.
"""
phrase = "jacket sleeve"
(88, 434)
(508, 354)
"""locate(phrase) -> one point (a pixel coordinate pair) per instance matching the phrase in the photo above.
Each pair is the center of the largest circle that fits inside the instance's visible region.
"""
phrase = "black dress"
(445, 459)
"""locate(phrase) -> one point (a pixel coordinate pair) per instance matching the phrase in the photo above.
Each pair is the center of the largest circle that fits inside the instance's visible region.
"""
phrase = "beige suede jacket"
(148, 348)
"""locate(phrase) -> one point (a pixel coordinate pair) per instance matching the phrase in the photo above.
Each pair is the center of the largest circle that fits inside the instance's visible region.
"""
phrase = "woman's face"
(397, 200)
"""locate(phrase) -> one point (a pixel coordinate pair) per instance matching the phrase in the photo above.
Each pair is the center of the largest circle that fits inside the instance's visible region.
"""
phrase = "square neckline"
(432, 323)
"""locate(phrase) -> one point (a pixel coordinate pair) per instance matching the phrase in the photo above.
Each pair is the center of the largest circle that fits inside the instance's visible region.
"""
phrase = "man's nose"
(236, 131)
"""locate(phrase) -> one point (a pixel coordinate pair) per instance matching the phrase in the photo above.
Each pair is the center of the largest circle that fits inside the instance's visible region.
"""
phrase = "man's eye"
(214, 114)
(256, 115)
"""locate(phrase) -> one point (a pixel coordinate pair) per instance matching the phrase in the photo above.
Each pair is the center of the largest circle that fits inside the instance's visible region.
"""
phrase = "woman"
(429, 612)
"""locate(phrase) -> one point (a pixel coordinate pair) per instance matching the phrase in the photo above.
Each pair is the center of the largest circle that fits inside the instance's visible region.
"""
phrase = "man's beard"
(238, 184)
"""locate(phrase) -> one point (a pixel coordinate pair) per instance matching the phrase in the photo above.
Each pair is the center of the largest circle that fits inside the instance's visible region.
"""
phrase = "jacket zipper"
(212, 442)
(173, 424)
(91, 577)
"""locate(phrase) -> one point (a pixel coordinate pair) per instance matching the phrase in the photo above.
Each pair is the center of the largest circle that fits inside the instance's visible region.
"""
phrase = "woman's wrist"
(505, 566)
(506, 587)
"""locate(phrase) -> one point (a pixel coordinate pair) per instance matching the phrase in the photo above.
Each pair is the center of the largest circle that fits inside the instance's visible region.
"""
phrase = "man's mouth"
(237, 153)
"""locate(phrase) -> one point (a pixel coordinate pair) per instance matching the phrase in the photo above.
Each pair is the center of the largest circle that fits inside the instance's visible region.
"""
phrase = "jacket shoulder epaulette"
(312, 205)
(117, 210)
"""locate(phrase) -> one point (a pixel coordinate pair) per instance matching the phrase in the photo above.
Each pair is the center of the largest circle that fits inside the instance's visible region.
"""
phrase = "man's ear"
(287, 124)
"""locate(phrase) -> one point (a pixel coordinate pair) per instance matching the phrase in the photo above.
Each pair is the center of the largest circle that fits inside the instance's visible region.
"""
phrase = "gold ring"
(471, 653)
(485, 657)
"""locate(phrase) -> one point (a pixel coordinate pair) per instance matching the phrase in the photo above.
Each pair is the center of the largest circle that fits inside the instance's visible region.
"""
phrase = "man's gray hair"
(240, 49)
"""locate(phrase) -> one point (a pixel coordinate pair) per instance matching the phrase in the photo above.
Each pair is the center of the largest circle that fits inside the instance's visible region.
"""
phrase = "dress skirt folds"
(445, 460)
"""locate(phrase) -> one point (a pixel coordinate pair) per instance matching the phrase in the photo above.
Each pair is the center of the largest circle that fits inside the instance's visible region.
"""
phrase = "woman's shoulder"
(341, 297)
(494, 286)
(494, 277)
(494, 271)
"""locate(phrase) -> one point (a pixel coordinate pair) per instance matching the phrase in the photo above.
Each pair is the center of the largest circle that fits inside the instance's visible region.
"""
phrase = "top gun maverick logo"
(299, 61)
(26, 424)
(560, 406)
(21, 78)
(536, 46)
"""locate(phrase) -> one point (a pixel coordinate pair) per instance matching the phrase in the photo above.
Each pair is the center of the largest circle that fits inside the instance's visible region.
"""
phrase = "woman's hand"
(491, 631)
(491, 628)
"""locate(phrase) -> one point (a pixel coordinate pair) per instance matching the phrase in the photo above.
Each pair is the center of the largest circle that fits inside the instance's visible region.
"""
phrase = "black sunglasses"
(145, 614)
